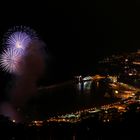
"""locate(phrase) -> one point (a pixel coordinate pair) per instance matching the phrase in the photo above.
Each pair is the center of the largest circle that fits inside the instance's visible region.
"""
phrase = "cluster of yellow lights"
(75, 117)
(37, 123)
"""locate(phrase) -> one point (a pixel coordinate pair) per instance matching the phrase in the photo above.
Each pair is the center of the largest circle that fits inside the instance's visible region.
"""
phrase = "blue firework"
(18, 40)
(19, 37)
(16, 43)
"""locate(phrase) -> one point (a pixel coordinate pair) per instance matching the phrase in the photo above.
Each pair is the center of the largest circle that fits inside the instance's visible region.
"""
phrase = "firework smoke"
(24, 57)
(32, 69)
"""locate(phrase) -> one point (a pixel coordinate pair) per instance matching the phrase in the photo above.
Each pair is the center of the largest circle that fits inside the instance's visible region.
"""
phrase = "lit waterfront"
(86, 106)
(66, 98)
(126, 95)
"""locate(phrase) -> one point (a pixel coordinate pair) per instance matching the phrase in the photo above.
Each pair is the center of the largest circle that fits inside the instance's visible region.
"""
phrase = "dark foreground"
(89, 129)
(96, 127)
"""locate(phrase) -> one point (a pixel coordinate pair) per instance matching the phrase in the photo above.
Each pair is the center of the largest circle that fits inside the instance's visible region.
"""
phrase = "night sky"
(77, 35)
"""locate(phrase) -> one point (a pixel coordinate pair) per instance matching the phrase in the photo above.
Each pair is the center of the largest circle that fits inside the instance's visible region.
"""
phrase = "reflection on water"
(79, 86)
(84, 86)
(87, 86)
(67, 97)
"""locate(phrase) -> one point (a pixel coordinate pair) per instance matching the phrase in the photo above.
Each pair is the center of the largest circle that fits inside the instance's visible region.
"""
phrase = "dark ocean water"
(64, 98)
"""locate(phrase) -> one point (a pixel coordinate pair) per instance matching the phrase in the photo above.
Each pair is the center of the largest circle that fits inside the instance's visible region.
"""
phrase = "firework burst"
(10, 60)
(16, 42)
(19, 37)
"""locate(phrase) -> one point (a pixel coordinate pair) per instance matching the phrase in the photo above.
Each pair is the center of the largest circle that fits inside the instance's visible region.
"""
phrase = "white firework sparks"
(10, 60)
(18, 40)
